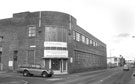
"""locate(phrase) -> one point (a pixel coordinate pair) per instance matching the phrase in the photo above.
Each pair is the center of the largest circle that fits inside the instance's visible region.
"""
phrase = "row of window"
(81, 38)
(76, 36)
(87, 59)
(52, 33)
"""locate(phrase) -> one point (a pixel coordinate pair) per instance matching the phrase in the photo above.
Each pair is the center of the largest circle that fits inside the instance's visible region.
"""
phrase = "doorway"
(15, 60)
(56, 64)
(59, 65)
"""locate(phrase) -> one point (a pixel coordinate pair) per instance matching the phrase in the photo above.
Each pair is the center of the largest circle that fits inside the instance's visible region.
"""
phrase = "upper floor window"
(77, 36)
(83, 39)
(87, 41)
(32, 31)
(94, 43)
(91, 42)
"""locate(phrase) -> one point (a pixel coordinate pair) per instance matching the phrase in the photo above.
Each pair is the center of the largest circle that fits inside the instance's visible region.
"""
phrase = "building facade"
(51, 39)
(113, 61)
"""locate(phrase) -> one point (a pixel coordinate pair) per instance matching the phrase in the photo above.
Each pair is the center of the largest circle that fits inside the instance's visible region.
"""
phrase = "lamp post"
(111, 57)
(133, 37)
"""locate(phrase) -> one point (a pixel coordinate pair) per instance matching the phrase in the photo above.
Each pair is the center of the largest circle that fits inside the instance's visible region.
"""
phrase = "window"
(83, 39)
(74, 35)
(87, 41)
(94, 43)
(91, 42)
(32, 31)
(56, 33)
(97, 44)
(77, 36)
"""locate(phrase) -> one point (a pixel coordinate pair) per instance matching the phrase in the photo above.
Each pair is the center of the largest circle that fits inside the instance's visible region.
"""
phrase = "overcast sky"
(111, 21)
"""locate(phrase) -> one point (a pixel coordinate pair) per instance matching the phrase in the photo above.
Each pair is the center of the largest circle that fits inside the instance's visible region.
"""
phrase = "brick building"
(51, 39)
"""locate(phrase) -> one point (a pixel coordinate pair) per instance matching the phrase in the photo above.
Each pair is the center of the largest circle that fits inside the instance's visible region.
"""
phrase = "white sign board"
(55, 54)
(32, 46)
(55, 44)
(10, 63)
(71, 60)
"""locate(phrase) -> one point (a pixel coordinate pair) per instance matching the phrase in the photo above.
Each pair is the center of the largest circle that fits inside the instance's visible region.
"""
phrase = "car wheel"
(25, 73)
(44, 74)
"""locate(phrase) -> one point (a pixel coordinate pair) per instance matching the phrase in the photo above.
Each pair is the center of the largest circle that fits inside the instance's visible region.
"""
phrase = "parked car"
(31, 70)
(125, 67)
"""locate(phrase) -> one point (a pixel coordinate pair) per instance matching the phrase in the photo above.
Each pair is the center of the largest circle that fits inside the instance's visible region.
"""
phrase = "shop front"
(56, 59)
(59, 66)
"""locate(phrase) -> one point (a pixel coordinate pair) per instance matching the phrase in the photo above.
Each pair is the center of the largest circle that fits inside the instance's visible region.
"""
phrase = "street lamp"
(133, 37)
(111, 57)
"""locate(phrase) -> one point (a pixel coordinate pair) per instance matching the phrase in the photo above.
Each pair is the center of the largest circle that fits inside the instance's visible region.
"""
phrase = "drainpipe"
(40, 16)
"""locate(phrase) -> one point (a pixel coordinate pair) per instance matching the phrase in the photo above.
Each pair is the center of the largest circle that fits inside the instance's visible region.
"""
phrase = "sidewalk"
(132, 79)
(3, 72)
(79, 74)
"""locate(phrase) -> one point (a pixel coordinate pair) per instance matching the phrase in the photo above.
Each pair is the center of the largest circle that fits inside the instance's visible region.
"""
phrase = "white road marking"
(25, 82)
(55, 79)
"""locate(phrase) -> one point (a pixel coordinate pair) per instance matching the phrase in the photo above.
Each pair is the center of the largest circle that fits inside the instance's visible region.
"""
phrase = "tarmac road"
(109, 76)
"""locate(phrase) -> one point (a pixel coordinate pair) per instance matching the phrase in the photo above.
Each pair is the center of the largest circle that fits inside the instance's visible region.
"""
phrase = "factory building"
(51, 39)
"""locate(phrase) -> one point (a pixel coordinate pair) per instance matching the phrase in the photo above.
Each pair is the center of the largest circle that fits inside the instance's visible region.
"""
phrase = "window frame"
(32, 31)
(83, 39)
(87, 41)
(78, 35)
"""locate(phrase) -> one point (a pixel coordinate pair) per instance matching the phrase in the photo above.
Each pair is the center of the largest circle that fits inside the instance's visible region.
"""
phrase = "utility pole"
(134, 59)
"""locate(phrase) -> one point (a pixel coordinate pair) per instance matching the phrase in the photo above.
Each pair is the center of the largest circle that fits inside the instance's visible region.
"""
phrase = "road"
(109, 76)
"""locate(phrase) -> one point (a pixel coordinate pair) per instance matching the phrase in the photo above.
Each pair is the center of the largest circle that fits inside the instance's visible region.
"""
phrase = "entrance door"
(55, 64)
(59, 65)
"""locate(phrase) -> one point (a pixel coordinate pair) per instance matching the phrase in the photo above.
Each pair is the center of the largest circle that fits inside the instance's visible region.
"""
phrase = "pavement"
(3, 72)
(132, 81)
